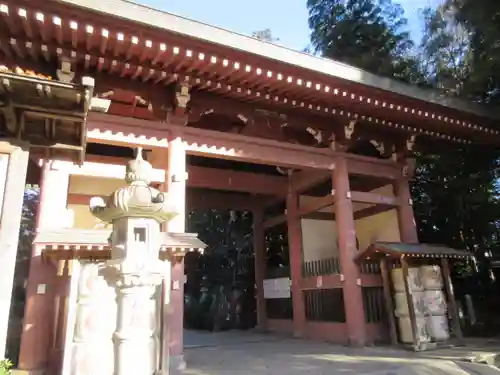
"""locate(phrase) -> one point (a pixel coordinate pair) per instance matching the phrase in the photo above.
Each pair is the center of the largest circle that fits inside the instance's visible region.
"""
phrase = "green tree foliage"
(456, 190)
(445, 51)
(219, 293)
(265, 35)
(456, 198)
(5, 366)
(368, 34)
(481, 19)
(26, 236)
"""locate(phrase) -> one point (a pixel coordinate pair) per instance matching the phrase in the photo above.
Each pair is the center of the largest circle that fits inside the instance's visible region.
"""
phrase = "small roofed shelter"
(39, 116)
(49, 115)
(78, 244)
(392, 256)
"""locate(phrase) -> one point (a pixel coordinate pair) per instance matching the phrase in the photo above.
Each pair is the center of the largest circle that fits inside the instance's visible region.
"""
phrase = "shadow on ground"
(231, 353)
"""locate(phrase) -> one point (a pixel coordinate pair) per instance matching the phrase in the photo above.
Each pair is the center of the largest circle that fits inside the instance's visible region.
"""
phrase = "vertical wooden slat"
(388, 301)
(294, 231)
(372, 301)
(321, 267)
(452, 306)
(315, 303)
(411, 306)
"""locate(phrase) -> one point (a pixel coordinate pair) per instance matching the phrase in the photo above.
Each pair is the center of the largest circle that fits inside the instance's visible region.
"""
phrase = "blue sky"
(286, 18)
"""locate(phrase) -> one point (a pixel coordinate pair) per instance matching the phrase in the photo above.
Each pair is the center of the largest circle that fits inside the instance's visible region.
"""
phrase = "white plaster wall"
(386, 191)
(380, 227)
(93, 186)
(319, 237)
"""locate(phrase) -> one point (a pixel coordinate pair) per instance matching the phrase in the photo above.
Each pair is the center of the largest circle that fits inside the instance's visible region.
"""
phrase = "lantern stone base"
(177, 364)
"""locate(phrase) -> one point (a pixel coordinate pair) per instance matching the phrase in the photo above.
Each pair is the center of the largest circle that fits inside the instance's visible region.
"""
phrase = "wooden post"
(176, 187)
(159, 159)
(295, 250)
(406, 219)
(346, 233)
(260, 267)
(13, 166)
(384, 271)
(411, 305)
(52, 214)
(452, 305)
(173, 161)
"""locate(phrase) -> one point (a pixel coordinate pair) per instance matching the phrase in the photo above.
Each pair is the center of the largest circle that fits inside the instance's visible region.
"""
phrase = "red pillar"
(176, 186)
(260, 267)
(406, 219)
(346, 232)
(37, 336)
(295, 251)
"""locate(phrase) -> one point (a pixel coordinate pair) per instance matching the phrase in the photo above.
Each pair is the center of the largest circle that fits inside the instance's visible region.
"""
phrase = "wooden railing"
(370, 268)
(373, 302)
(321, 267)
(325, 305)
(331, 266)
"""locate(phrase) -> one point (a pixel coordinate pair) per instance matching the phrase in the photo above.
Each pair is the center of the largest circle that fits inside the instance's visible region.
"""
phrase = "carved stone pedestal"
(135, 337)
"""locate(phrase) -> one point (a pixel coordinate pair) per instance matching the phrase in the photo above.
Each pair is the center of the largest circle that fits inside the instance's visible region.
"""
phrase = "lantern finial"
(138, 170)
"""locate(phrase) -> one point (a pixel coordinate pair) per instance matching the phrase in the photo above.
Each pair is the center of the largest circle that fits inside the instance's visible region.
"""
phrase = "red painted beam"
(219, 179)
(373, 198)
(277, 220)
(196, 200)
(222, 179)
(110, 129)
(304, 180)
(364, 166)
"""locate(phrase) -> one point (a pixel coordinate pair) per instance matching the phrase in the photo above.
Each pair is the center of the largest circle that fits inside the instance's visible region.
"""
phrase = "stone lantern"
(136, 213)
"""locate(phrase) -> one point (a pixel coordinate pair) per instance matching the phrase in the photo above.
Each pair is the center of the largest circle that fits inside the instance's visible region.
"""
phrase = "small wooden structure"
(78, 244)
(49, 115)
(390, 254)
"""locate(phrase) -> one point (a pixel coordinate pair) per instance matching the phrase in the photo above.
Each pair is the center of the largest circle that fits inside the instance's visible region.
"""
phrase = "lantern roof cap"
(137, 199)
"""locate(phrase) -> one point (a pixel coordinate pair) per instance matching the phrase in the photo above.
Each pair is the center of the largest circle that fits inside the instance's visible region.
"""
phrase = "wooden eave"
(140, 43)
(398, 250)
(65, 244)
(49, 115)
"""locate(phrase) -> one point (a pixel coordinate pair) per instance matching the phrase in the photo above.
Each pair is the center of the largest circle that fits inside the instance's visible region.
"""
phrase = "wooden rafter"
(100, 45)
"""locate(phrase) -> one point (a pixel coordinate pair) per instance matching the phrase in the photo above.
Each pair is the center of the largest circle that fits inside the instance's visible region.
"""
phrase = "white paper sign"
(277, 288)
